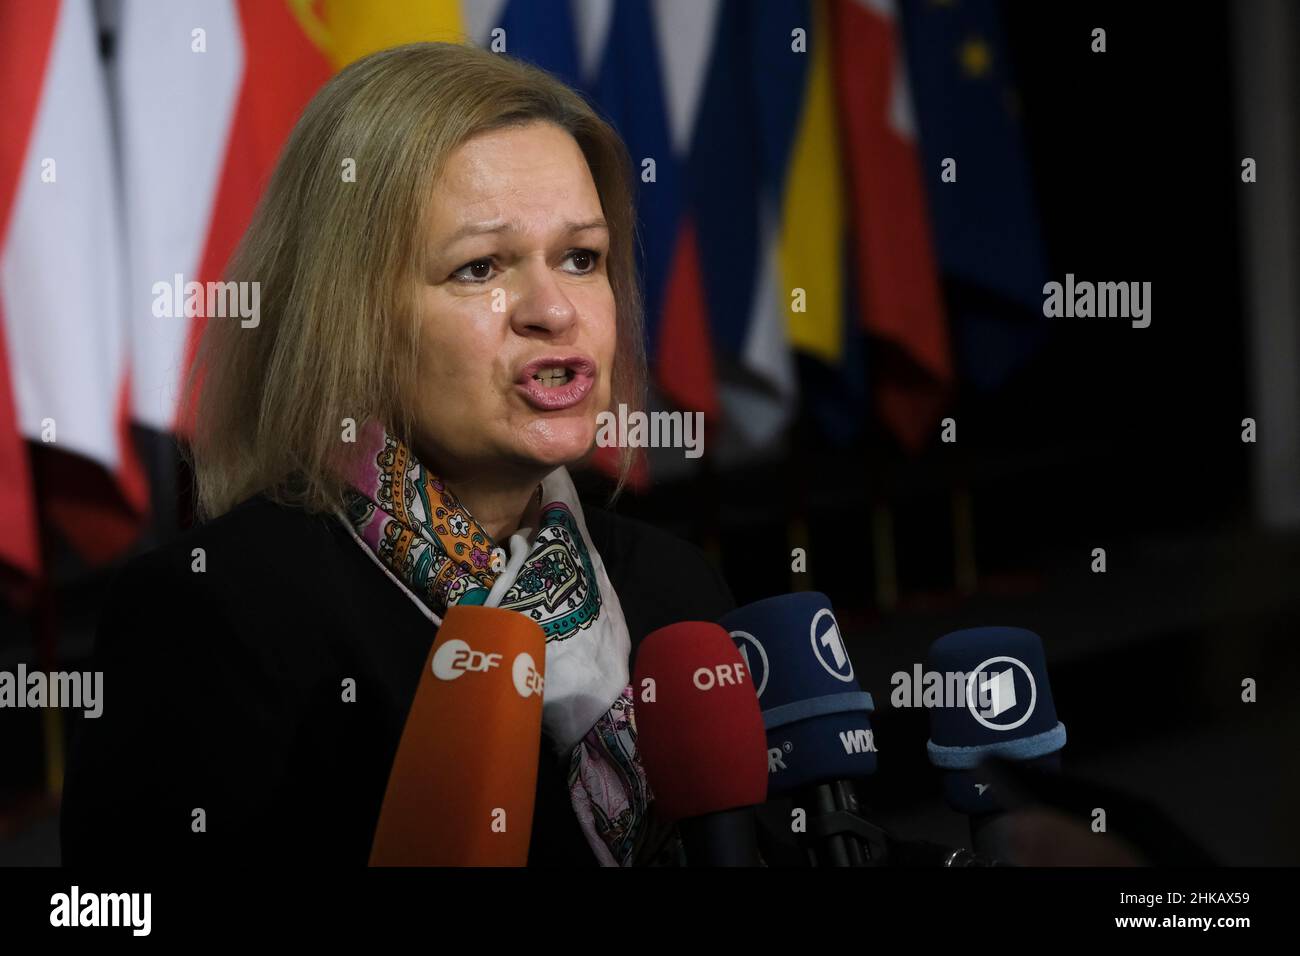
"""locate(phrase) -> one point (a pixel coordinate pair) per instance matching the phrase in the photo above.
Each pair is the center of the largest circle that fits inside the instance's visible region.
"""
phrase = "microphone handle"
(847, 799)
(919, 853)
(722, 838)
(835, 834)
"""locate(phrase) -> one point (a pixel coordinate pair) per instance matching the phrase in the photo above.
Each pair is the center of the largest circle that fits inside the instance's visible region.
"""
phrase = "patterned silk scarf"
(418, 531)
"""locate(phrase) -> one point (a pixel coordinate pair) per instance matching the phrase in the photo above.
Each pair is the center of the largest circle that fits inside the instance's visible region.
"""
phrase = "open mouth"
(556, 382)
(553, 377)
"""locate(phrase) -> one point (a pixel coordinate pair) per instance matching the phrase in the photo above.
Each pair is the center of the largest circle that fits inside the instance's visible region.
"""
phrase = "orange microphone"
(461, 789)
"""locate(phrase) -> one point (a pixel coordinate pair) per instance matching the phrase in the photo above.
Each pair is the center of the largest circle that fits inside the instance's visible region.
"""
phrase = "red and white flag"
(63, 345)
(208, 92)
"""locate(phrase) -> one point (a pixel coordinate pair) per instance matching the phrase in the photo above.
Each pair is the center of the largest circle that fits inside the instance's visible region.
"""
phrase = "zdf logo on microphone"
(527, 680)
(456, 657)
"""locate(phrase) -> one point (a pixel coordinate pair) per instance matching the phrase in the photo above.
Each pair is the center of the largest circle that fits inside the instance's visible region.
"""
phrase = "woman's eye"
(585, 259)
(478, 271)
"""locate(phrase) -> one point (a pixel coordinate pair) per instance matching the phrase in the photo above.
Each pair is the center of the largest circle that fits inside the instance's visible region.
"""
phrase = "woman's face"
(517, 332)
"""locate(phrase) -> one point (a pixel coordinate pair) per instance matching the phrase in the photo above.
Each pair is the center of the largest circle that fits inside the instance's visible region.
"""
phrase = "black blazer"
(222, 690)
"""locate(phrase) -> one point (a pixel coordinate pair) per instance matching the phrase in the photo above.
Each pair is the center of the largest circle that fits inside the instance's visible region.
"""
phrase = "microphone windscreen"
(699, 731)
(461, 788)
(815, 713)
(990, 698)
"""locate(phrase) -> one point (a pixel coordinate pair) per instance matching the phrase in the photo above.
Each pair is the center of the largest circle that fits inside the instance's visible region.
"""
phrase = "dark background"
(1114, 437)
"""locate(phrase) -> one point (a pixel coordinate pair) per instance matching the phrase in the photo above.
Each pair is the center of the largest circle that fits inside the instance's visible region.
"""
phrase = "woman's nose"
(540, 303)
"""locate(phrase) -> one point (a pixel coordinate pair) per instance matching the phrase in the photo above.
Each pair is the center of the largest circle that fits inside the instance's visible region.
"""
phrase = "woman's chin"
(552, 444)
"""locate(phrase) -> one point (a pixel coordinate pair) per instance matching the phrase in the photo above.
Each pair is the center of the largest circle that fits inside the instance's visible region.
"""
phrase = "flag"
(22, 74)
(544, 35)
(736, 206)
(63, 342)
(901, 301)
(209, 91)
(986, 226)
(630, 88)
(803, 180)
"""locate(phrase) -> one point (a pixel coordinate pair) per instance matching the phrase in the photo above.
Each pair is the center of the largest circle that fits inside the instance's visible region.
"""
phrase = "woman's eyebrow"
(571, 227)
(497, 226)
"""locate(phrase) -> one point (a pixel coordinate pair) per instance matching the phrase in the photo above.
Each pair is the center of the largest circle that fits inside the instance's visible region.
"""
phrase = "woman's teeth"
(552, 377)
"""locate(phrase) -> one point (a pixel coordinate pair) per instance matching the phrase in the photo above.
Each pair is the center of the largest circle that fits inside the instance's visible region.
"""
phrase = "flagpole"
(885, 554)
(965, 571)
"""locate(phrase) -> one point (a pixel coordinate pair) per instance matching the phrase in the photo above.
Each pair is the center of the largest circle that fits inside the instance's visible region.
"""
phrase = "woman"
(447, 283)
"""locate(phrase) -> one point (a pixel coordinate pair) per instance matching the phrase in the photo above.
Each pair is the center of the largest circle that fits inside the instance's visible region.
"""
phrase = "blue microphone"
(995, 701)
(816, 716)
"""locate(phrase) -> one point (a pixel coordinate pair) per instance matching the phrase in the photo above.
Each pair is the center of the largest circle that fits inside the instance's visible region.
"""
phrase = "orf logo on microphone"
(456, 657)
(991, 692)
(527, 680)
(719, 675)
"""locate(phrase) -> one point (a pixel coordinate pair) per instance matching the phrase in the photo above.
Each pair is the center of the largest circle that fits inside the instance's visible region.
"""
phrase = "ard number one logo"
(829, 638)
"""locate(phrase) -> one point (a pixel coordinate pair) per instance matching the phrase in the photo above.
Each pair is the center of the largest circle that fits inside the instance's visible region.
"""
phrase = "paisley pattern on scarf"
(425, 536)
(554, 589)
(420, 530)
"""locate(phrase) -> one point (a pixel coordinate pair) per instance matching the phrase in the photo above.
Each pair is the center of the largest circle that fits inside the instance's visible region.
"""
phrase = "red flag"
(902, 303)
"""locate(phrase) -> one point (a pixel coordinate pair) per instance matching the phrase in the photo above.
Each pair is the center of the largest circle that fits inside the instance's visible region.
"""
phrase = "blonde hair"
(338, 266)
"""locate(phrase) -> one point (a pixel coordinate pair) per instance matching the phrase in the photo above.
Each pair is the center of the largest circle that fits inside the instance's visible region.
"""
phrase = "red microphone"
(702, 742)
(461, 789)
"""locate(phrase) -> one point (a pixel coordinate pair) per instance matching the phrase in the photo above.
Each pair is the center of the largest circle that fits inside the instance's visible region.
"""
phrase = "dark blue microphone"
(996, 701)
(819, 735)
